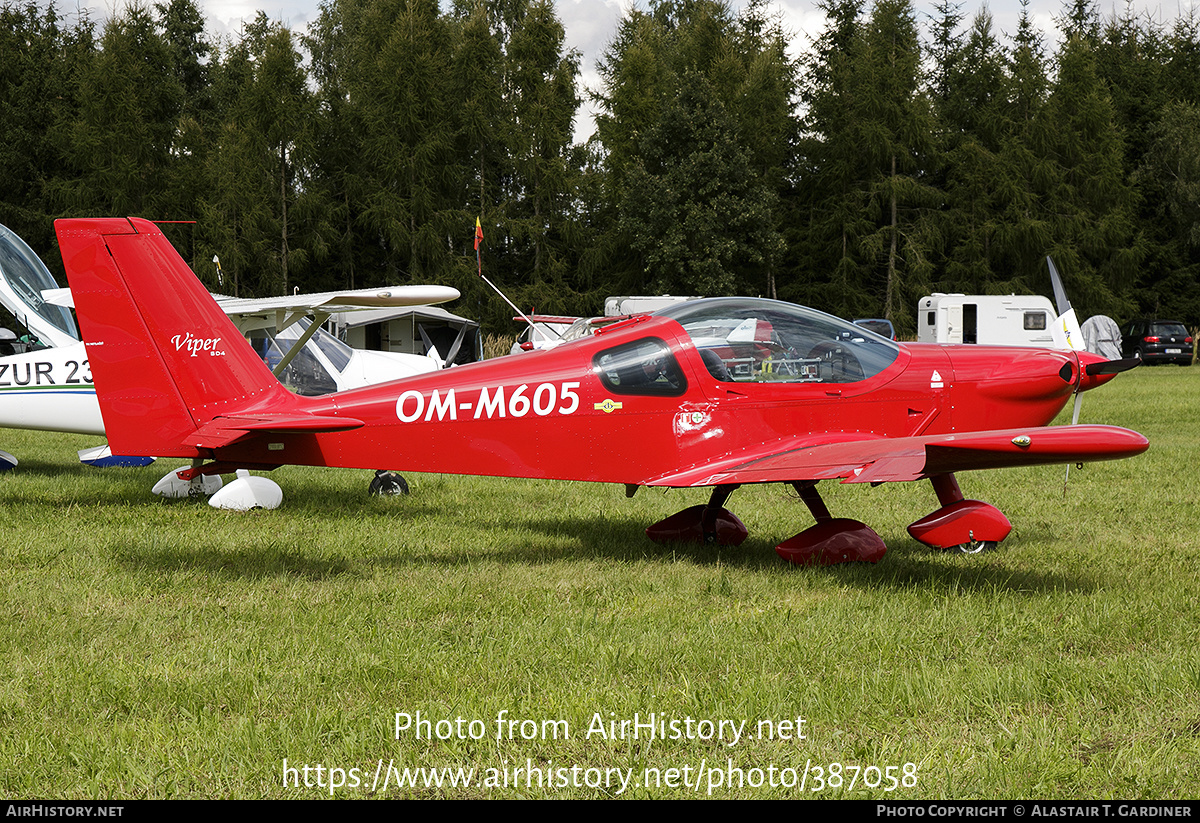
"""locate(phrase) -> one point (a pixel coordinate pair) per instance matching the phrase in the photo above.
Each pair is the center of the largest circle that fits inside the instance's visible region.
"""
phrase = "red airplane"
(715, 393)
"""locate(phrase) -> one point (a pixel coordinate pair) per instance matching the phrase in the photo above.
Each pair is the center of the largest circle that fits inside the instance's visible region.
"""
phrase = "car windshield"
(743, 340)
(881, 327)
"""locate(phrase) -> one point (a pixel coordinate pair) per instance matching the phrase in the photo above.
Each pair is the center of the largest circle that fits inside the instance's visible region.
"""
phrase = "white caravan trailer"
(993, 320)
(620, 306)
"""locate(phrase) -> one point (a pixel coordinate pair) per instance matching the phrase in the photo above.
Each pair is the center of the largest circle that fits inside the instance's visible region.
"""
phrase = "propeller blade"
(1066, 331)
(1112, 366)
(458, 341)
(430, 349)
(1060, 294)
(425, 339)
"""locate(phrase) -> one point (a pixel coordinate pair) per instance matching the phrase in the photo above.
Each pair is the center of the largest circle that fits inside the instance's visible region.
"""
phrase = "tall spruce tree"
(826, 267)
(123, 139)
(695, 211)
(39, 105)
(1169, 285)
(649, 125)
(189, 53)
(540, 88)
(1023, 232)
(400, 69)
(972, 127)
(236, 205)
(255, 202)
(1088, 201)
(870, 140)
(898, 145)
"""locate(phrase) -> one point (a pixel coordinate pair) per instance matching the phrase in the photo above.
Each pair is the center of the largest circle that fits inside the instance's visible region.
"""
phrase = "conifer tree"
(39, 104)
(826, 254)
(400, 72)
(694, 210)
(871, 141)
(182, 25)
(1023, 231)
(1169, 284)
(899, 130)
(741, 64)
(970, 104)
(123, 138)
(1088, 201)
(540, 88)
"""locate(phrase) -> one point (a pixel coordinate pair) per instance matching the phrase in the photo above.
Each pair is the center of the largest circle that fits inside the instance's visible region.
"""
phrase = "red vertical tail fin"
(165, 358)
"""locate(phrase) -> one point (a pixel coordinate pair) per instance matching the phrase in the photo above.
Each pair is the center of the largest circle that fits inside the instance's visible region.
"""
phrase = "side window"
(1035, 321)
(641, 367)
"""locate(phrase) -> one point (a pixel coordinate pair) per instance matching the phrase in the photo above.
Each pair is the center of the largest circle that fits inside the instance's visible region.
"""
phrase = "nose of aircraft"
(1010, 373)
(1005, 386)
(1097, 371)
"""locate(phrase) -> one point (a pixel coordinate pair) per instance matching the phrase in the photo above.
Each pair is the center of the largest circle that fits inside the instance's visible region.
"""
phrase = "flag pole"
(479, 265)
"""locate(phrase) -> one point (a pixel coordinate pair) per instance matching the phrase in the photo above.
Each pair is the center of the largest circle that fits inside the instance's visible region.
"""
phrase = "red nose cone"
(1091, 381)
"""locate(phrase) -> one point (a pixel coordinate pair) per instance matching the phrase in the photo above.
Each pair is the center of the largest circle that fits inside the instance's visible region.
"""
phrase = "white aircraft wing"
(250, 313)
(331, 301)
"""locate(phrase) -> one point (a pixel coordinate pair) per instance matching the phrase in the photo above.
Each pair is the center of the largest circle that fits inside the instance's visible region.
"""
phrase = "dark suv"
(1157, 341)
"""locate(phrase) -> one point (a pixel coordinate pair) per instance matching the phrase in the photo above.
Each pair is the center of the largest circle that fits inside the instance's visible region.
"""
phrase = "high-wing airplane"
(47, 384)
(710, 393)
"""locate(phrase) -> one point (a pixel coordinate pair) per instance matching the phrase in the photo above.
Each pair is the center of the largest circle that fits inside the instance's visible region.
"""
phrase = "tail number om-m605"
(545, 399)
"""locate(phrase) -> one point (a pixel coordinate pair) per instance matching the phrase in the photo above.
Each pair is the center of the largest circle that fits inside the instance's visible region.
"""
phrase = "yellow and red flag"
(478, 234)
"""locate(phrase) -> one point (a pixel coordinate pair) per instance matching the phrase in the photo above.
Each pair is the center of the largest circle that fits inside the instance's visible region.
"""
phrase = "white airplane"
(45, 382)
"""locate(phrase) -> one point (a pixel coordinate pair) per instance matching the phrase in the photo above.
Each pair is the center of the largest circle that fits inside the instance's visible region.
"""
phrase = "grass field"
(170, 650)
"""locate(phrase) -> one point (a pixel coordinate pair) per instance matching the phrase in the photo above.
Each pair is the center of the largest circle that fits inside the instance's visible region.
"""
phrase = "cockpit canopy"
(23, 278)
(748, 340)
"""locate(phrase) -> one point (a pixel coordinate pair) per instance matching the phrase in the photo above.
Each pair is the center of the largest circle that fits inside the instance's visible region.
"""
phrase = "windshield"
(306, 374)
(27, 276)
(747, 340)
(339, 353)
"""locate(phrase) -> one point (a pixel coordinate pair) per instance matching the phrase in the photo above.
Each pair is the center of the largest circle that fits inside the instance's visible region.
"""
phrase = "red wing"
(876, 460)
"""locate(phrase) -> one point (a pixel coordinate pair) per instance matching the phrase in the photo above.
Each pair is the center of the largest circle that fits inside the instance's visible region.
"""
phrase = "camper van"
(620, 306)
(992, 320)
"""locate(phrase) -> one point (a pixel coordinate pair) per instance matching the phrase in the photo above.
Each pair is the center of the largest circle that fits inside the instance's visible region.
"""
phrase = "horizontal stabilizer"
(101, 457)
(222, 431)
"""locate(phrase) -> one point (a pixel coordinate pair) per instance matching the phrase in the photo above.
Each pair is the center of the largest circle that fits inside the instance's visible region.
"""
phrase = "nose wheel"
(970, 526)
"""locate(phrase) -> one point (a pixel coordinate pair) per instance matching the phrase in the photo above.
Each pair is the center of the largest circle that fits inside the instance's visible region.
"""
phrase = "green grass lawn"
(153, 649)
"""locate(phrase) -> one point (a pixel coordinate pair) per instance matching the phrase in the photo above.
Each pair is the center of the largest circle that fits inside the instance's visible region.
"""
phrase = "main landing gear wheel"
(976, 546)
(966, 526)
(712, 525)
